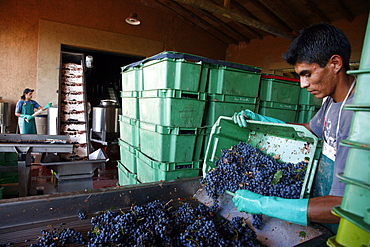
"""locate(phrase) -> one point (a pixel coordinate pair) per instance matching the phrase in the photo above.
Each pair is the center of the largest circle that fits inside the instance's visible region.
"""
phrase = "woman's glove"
(241, 117)
(26, 116)
(292, 210)
(47, 106)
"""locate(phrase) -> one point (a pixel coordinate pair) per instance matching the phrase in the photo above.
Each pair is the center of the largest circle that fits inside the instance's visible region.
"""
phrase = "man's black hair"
(317, 44)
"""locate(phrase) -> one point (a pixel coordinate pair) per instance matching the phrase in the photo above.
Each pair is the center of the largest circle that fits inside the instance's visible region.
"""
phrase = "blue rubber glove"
(26, 116)
(47, 106)
(241, 117)
(292, 210)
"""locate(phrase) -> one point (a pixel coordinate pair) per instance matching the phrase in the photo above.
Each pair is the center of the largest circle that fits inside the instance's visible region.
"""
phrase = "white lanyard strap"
(341, 108)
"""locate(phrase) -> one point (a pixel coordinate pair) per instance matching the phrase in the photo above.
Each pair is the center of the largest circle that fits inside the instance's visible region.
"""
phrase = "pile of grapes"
(246, 167)
(59, 237)
(163, 224)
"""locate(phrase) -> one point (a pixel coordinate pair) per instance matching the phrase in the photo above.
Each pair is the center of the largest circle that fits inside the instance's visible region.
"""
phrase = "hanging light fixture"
(132, 19)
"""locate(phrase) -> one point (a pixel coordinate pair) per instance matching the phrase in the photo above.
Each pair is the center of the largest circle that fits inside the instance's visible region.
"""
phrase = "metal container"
(41, 124)
(5, 116)
(105, 119)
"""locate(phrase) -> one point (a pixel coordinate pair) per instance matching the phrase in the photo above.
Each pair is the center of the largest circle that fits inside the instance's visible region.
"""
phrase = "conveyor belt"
(23, 218)
(29, 233)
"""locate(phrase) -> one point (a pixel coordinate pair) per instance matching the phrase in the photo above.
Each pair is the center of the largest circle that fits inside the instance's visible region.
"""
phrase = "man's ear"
(336, 62)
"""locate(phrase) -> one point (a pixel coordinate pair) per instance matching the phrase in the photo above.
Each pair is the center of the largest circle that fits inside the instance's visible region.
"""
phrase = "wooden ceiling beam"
(315, 10)
(216, 9)
(227, 4)
(195, 21)
(245, 12)
(285, 13)
(249, 30)
(228, 29)
(342, 8)
(272, 15)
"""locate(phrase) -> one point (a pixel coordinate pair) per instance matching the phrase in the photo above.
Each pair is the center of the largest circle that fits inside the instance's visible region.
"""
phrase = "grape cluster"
(158, 224)
(246, 167)
(82, 216)
(59, 237)
(161, 224)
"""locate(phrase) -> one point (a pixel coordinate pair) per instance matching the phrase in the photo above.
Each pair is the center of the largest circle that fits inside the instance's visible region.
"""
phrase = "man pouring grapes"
(320, 56)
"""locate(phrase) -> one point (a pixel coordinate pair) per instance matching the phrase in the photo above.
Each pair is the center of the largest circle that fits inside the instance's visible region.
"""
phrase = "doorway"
(103, 80)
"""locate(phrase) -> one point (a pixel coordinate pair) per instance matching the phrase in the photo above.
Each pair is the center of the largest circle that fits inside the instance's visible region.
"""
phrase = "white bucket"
(41, 124)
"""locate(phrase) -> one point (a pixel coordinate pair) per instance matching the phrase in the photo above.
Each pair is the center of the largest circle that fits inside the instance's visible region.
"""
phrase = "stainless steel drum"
(5, 116)
(105, 120)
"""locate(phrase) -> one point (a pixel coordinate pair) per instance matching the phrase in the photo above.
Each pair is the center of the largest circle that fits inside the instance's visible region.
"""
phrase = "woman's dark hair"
(23, 97)
(317, 44)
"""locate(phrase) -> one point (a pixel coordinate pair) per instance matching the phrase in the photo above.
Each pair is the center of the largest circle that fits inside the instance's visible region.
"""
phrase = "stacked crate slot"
(128, 125)
(279, 97)
(231, 87)
(308, 106)
(73, 115)
(8, 174)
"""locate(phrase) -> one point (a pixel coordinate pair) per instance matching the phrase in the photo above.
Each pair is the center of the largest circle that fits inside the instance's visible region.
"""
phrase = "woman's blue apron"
(30, 126)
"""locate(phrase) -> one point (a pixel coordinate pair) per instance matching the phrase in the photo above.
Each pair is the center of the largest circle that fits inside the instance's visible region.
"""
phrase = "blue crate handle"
(177, 55)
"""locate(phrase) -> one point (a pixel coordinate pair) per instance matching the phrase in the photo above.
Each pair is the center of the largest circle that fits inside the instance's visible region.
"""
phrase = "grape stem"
(230, 193)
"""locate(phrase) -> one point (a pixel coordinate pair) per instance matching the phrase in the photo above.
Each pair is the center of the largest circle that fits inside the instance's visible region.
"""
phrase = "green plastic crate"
(207, 134)
(130, 104)
(360, 154)
(350, 234)
(281, 111)
(278, 90)
(226, 105)
(172, 73)
(150, 170)
(294, 143)
(127, 155)
(10, 190)
(125, 177)
(169, 107)
(233, 81)
(305, 98)
(8, 177)
(171, 144)
(8, 159)
(306, 113)
(132, 79)
(356, 198)
(129, 131)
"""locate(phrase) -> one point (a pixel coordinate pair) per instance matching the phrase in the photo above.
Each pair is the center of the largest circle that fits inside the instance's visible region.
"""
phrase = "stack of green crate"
(169, 103)
(129, 133)
(308, 106)
(8, 179)
(279, 97)
(162, 114)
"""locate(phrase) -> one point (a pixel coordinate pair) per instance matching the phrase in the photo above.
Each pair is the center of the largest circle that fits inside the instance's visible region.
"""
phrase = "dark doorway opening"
(103, 80)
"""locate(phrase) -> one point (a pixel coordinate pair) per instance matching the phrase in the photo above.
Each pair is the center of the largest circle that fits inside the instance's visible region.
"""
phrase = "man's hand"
(292, 210)
(240, 118)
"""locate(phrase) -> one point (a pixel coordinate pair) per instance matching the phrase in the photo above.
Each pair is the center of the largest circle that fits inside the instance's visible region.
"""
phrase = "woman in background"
(24, 110)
